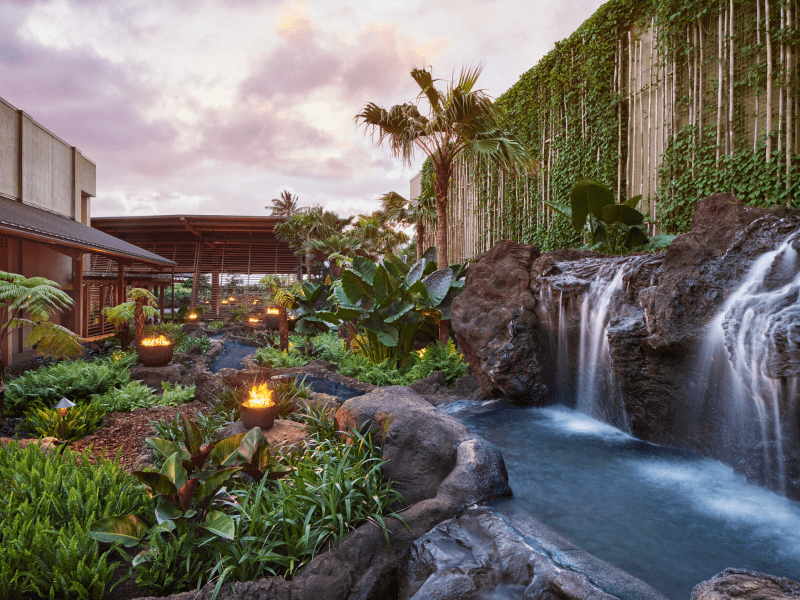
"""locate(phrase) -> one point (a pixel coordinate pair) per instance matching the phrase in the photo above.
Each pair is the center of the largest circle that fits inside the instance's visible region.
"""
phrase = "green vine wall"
(573, 111)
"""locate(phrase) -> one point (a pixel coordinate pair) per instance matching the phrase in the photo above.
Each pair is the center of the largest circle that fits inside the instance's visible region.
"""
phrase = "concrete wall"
(39, 168)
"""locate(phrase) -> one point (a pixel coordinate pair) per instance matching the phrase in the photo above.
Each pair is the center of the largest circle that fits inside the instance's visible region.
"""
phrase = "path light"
(259, 410)
(63, 407)
(253, 320)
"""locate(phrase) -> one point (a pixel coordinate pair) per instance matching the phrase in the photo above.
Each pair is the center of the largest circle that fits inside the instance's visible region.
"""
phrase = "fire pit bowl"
(260, 409)
(155, 352)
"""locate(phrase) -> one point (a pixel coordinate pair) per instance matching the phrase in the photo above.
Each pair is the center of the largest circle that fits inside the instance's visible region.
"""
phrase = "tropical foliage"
(136, 309)
(609, 227)
(30, 302)
(285, 206)
(459, 118)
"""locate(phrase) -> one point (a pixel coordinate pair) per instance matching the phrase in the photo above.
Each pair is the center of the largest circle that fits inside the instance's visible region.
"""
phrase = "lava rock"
(746, 585)
(494, 323)
(153, 376)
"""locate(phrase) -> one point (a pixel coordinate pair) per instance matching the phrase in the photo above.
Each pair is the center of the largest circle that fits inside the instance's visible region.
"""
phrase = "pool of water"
(671, 518)
(324, 386)
(231, 356)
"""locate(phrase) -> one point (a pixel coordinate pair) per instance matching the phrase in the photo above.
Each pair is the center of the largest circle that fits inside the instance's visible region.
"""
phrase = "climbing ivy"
(572, 115)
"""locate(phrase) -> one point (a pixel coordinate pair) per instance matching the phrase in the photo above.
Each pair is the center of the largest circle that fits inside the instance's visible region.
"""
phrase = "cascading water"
(578, 304)
(749, 361)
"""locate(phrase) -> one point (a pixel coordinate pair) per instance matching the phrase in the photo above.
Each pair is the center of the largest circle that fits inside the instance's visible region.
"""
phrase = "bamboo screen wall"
(660, 93)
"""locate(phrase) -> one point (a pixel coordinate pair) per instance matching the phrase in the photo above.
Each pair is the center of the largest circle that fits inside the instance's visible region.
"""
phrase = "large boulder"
(740, 584)
(152, 377)
(477, 555)
(494, 323)
(421, 445)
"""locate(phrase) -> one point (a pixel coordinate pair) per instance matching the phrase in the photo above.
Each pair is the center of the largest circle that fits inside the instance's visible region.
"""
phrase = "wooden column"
(161, 300)
(79, 297)
(283, 328)
(121, 291)
(215, 292)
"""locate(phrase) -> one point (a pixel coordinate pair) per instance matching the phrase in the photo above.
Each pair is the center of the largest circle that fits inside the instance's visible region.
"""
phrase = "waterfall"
(749, 363)
(578, 303)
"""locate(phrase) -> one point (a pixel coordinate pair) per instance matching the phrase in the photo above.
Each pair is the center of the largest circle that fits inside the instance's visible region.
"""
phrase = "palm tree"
(39, 298)
(460, 118)
(285, 206)
(303, 228)
(414, 212)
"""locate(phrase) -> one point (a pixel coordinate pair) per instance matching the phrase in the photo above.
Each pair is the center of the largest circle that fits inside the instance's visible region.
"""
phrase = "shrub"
(76, 380)
(278, 359)
(215, 325)
(46, 505)
(80, 421)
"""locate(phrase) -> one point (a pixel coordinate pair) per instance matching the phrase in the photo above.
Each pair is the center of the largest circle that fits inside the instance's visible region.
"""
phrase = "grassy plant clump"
(279, 359)
(136, 394)
(286, 392)
(80, 421)
(204, 342)
(76, 380)
(46, 506)
(419, 365)
(215, 325)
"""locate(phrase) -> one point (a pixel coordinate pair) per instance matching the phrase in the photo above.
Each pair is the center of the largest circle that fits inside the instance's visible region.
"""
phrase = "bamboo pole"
(618, 90)
(639, 81)
(769, 82)
(719, 84)
(629, 132)
(700, 83)
(782, 71)
(731, 80)
(725, 61)
(790, 75)
(649, 112)
(758, 70)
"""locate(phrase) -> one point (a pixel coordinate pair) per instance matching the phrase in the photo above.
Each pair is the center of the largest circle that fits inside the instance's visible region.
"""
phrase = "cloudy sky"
(215, 106)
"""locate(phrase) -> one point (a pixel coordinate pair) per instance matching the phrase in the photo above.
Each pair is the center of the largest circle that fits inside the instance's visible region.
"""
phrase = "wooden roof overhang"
(26, 222)
(207, 243)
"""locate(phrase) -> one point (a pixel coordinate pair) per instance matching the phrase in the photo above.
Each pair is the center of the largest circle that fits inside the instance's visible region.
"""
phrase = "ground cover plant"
(275, 512)
(136, 394)
(46, 505)
(76, 380)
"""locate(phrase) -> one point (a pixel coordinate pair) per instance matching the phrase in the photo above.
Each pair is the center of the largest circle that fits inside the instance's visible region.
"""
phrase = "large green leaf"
(659, 242)
(174, 471)
(438, 284)
(213, 482)
(355, 288)
(192, 437)
(341, 299)
(381, 283)
(588, 196)
(619, 213)
(157, 482)
(416, 272)
(387, 335)
(635, 237)
(430, 254)
(128, 530)
(218, 523)
(364, 268)
(167, 448)
(563, 210)
(633, 202)
(166, 511)
(400, 311)
(250, 444)
(397, 263)
(227, 450)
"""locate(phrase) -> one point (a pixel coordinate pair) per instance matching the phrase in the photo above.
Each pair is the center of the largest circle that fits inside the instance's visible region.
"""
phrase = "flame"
(253, 320)
(156, 341)
(260, 397)
(193, 316)
(255, 301)
(232, 298)
(273, 311)
(224, 301)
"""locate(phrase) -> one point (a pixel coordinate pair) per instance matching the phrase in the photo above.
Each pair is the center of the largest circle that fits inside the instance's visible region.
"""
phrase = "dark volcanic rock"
(153, 376)
(494, 323)
(525, 325)
(746, 585)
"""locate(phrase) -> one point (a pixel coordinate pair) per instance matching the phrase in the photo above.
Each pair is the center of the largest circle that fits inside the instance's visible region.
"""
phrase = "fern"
(79, 421)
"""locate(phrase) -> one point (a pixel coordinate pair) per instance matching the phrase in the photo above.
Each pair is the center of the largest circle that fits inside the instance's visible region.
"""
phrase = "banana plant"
(610, 227)
(188, 484)
(390, 301)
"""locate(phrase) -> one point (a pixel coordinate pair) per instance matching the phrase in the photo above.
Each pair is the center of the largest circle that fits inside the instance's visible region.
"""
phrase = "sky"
(216, 106)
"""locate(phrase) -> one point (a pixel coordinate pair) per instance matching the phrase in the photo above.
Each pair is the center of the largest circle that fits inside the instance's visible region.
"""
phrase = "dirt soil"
(126, 432)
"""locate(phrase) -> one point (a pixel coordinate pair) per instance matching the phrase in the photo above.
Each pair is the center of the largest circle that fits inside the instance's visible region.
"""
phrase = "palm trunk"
(442, 167)
(420, 239)
(2, 387)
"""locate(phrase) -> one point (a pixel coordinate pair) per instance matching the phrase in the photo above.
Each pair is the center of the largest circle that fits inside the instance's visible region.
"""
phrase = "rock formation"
(631, 340)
